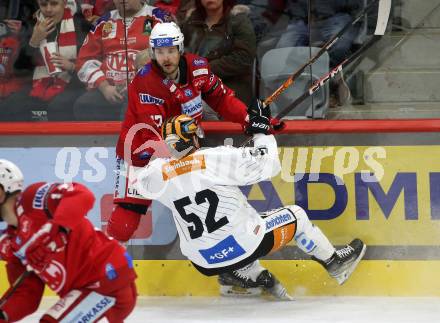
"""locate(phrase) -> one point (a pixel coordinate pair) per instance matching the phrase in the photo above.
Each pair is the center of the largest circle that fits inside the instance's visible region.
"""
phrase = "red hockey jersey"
(103, 56)
(152, 99)
(89, 260)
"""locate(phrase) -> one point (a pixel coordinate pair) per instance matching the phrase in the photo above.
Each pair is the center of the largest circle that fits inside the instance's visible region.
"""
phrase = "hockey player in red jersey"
(50, 240)
(173, 83)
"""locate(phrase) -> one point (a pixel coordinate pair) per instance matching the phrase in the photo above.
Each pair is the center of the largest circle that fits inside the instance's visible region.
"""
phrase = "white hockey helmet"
(166, 34)
(11, 177)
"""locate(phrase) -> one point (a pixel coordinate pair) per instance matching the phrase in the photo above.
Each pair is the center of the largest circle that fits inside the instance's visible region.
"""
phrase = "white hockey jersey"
(216, 225)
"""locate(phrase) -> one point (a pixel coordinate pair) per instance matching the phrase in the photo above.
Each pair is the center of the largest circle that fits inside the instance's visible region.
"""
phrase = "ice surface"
(258, 310)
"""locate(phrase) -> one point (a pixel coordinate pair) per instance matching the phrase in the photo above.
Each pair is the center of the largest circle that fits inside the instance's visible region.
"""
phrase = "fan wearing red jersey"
(106, 61)
(50, 242)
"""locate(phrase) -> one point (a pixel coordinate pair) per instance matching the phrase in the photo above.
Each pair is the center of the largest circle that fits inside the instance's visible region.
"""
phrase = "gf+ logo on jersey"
(225, 250)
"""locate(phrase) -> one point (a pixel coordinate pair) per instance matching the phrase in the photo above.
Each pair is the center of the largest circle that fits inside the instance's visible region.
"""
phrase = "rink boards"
(300, 277)
(387, 195)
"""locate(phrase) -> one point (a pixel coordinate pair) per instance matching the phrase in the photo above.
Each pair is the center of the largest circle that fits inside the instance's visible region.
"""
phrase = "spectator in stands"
(93, 9)
(227, 39)
(265, 15)
(184, 10)
(168, 5)
(328, 18)
(103, 65)
(15, 30)
(54, 84)
(9, 49)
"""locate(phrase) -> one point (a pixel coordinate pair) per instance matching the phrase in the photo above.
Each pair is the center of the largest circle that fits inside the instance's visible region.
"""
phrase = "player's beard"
(170, 69)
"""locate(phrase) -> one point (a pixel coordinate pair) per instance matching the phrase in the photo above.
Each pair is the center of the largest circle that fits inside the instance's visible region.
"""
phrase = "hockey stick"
(323, 80)
(382, 21)
(13, 288)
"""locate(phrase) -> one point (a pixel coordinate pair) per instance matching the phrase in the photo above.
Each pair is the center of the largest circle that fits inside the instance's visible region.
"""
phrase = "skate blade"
(341, 278)
(235, 291)
(279, 293)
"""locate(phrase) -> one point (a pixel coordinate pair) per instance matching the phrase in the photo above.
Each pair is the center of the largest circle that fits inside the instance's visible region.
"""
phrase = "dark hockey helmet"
(181, 134)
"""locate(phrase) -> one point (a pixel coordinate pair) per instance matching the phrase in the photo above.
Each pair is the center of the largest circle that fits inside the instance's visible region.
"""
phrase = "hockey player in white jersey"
(220, 232)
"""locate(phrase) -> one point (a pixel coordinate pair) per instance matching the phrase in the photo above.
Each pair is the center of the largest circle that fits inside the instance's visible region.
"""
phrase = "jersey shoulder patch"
(101, 20)
(199, 62)
(145, 70)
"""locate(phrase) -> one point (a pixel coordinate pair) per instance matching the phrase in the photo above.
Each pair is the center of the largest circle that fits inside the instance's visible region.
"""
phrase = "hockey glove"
(259, 118)
(277, 125)
(3, 317)
(6, 252)
(50, 239)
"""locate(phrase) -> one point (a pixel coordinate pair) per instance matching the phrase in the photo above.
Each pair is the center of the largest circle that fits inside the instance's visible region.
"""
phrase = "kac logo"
(188, 93)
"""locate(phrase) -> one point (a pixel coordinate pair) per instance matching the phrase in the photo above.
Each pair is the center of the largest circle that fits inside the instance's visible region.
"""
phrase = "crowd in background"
(86, 75)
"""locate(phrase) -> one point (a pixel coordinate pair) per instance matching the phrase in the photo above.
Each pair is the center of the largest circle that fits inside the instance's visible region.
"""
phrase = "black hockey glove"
(3, 317)
(259, 118)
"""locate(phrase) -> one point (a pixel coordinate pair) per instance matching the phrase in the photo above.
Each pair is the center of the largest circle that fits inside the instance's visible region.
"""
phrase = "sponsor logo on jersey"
(199, 62)
(225, 250)
(131, 175)
(193, 108)
(188, 93)
(97, 310)
(89, 309)
(38, 201)
(117, 63)
(307, 243)
(199, 83)
(277, 220)
(132, 192)
(146, 98)
(93, 313)
(108, 30)
(58, 309)
(182, 166)
(163, 42)
(200, 71)
(110, 272)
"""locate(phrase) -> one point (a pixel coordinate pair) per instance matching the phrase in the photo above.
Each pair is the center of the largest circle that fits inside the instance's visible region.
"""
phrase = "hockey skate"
(231, 284)
(242, 283)
(344, 261)
(273, 286)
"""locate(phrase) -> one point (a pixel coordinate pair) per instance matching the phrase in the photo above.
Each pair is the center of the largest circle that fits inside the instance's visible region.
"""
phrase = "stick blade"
(382, 16)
